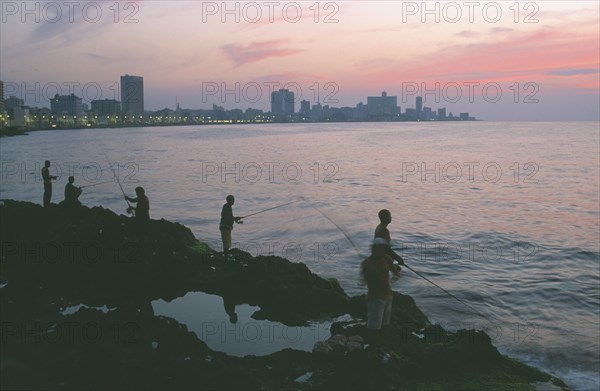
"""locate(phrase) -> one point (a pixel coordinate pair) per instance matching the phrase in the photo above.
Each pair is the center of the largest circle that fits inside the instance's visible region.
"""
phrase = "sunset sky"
(542, 57)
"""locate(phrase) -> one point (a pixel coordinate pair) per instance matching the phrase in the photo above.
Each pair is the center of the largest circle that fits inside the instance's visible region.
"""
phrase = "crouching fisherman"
(72, 194)
(142, 209)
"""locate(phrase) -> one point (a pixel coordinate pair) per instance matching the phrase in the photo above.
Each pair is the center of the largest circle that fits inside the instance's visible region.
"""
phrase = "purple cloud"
(573, 72)
(257, 51)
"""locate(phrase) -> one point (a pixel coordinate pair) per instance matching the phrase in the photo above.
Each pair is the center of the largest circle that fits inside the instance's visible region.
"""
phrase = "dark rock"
(54, 258)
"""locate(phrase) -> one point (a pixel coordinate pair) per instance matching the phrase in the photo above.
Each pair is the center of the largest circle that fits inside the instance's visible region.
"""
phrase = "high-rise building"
(66, 105)
(382, 106)
(1, 97)
(282, 102)
(464, 116)
(316, 112)
(13, 102)
(411, 114)
(132, 95)
(419, 107)
(106, 107)
(305, 108)
(442, 114)
(427, 113)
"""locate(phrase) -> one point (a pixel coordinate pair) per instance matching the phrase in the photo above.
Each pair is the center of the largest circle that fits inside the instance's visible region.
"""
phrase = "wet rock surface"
(59, 258)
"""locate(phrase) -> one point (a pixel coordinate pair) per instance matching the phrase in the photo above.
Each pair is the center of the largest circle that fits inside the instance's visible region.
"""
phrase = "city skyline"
(528, 60)
(70, 111)
(281, 101)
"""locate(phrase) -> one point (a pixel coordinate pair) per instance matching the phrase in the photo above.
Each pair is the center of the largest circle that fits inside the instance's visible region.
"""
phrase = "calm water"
(503, 215)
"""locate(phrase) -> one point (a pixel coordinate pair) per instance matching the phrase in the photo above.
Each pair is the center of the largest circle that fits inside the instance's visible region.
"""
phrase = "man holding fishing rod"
(142, 209)
(47, 183)
(385, 218)
(72, 193)
(375, 272)
(226, 223)
(227, 220)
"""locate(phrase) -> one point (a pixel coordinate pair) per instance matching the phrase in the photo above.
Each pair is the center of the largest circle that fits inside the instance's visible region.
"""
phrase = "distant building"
(464, 116)
(13, 102)
(236, 114)
(441, 114)
(282, 103)
(132, 95)
(254, 115)
(106, 107)
(380, 107)
(66, 105)
(411, 114)
(316, 112)
(18, 116)
(305, 108)
(427, 114)
(39, 117)
(419, 107)
(1, 97)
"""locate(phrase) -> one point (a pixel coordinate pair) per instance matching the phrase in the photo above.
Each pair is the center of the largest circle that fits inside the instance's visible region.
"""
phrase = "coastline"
(8, 132)
(58, 258)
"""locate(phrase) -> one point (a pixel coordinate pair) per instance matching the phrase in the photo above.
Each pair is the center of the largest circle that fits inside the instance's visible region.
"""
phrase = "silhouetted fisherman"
(375, 271)
(72, 193)
(226, 223)
(47, 183)
(385, 218)
(142, 210)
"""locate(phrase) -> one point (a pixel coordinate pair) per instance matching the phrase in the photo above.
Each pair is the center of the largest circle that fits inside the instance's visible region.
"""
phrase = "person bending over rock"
(72, 193)
(142, 210)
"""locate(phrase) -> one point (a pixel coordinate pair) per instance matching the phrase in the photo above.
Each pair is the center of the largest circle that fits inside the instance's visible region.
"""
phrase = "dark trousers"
(47, 194)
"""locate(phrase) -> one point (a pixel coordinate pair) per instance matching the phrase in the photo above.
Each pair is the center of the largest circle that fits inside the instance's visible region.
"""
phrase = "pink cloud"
(517, 58)
(468, 34)
(257, 51)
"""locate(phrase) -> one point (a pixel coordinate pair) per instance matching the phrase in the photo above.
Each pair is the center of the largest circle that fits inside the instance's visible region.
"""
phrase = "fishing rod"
(121, 187)
(445, 291)
(268, 209)
(360, 256)
(408, 267)
(129, 208)
(94, 184)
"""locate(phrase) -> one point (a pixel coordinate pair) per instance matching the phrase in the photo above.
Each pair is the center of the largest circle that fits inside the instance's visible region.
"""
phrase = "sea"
(500, 220)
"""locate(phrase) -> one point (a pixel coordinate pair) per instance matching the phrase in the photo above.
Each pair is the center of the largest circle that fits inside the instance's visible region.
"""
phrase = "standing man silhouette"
(385, 218)
(47, 183)
(226, 223)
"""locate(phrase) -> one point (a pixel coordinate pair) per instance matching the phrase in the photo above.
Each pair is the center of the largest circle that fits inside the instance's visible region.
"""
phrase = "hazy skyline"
(191, 51)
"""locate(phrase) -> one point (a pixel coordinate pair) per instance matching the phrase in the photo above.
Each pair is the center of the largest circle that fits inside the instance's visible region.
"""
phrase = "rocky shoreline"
(59, 258)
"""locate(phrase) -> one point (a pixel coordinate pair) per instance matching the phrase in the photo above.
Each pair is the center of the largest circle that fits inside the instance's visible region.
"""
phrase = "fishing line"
(445, 291)
(268, 209)
(408, 267)
(118, 181)
(360, 256)
(94, 184)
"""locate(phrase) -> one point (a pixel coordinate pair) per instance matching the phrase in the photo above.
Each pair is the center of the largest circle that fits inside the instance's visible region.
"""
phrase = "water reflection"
(230, 328)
